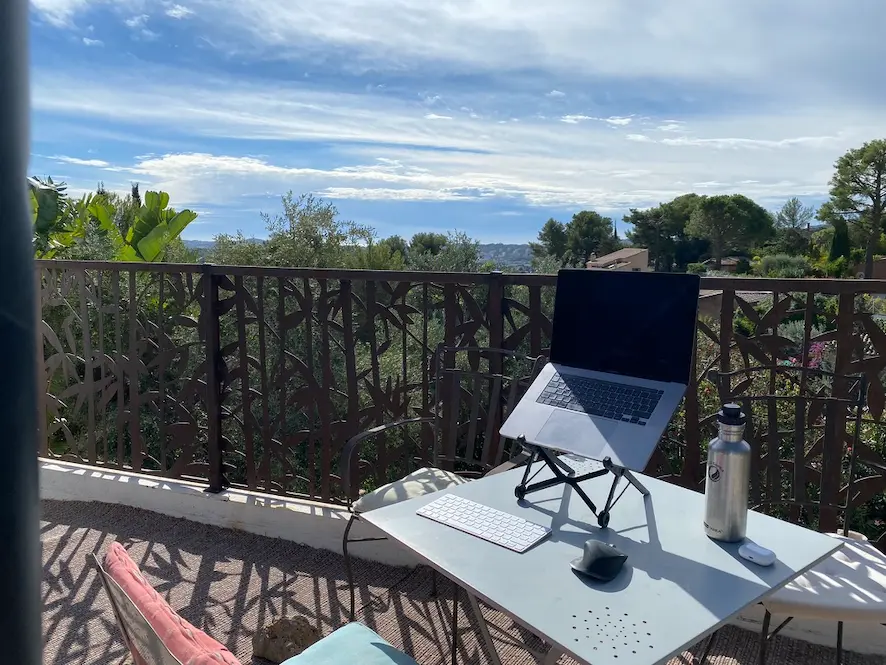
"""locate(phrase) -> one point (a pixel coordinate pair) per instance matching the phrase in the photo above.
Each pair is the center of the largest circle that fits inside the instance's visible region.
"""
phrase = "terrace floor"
(230, 583)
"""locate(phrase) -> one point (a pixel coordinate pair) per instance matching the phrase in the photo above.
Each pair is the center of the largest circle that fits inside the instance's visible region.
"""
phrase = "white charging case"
(756, 554)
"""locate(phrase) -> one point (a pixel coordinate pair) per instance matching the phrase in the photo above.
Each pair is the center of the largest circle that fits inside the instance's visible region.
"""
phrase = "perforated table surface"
(677, 585)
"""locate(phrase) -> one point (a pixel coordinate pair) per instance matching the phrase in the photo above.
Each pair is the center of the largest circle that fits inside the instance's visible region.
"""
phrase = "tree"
(662, 230)
(793, 215)
(458, 253)
(858, 195)
(589, 233)
(552, 240)
(730, 222)
(427, 243)
(654, 229)
(396, 245)
(375, 256)
(840, 245)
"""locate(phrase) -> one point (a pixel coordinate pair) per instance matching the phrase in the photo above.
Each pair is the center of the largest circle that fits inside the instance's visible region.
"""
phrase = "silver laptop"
(621, 353)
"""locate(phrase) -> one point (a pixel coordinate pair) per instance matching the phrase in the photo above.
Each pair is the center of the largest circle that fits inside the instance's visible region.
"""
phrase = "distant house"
(727, 263)
(630, 258)
(879, 269)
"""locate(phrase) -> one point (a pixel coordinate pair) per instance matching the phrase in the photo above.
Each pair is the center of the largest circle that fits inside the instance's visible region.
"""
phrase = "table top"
(676, 587)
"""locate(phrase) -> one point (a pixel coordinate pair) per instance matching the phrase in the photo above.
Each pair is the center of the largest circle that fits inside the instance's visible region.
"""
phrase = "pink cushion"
(188, 644)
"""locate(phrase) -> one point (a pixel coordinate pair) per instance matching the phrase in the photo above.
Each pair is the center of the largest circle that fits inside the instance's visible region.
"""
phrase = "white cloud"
(556, 93)
(179, 11)
(93, 42)
(59, 13)
(374, 139)
(385, 194)
(434, 116)
(670, 126)
(749, 142)
(136, 21)
(575, 119)
(752, 46)
(618, 122)
(80, 162)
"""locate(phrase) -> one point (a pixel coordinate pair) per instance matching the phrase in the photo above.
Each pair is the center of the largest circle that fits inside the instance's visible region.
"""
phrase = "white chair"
(474, 390)
(848, 586)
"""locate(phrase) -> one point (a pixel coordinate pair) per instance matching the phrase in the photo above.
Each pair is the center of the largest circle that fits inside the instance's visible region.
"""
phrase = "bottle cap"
(731, 414)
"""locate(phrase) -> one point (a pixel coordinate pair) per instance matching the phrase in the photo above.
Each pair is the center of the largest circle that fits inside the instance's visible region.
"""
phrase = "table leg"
(553, 656)
(484, 629)
(455, 590)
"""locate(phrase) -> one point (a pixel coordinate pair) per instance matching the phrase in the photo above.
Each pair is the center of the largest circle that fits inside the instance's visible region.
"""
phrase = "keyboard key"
(602, 399)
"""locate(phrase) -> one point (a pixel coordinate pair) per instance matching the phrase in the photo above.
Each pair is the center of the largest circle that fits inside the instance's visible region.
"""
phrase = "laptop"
(621, 354)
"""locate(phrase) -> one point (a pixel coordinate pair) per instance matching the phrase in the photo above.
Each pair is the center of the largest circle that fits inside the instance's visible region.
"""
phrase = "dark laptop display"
(636, 324)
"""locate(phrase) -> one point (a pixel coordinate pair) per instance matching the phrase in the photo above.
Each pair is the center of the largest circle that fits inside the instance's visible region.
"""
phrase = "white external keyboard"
(484, 522)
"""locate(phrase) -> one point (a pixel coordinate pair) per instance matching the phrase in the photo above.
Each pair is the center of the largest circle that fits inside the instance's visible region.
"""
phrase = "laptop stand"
(562, 478)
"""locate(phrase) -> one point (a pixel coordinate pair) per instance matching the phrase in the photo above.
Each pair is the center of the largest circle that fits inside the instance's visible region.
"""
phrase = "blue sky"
(485, 116)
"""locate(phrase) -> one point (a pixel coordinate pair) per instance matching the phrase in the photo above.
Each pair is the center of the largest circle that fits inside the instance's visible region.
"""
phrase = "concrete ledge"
(309, 523)
(322, 526)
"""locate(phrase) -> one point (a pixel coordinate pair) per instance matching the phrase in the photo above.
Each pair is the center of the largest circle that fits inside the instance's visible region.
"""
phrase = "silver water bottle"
(728, 475)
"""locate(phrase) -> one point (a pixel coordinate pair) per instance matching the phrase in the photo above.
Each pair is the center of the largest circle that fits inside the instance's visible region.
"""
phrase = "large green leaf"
(151, 246)
(178, 223)
(128, 253)
(103, 212)
(156, 226)
(49, 204)
(156, 200)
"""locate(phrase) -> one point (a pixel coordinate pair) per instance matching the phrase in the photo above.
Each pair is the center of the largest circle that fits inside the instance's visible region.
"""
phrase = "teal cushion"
(349, 645)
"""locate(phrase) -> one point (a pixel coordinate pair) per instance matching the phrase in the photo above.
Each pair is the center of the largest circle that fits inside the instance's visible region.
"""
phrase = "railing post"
(832, 455)
(212, 345)
(495, 314)
(42, 438)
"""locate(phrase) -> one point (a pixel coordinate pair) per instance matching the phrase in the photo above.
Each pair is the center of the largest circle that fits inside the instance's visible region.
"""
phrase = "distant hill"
(199, 244)
(516, 257)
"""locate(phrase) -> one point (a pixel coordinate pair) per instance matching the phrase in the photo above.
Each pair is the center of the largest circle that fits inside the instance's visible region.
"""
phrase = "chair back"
(142, 641)
(475, 389)
(803, 426)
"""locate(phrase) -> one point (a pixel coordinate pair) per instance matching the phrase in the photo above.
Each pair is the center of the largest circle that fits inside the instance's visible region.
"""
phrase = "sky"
(482, 116)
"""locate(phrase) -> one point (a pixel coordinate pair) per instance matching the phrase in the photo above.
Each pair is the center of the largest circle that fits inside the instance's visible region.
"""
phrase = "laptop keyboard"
(603, 399)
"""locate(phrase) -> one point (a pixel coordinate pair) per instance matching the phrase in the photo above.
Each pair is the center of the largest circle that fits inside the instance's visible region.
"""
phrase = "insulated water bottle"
(726, 482)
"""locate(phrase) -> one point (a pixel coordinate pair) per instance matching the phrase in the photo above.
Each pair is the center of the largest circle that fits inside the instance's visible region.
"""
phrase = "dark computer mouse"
(600, 561)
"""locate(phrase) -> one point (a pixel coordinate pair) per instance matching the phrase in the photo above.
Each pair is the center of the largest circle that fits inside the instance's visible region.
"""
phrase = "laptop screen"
(639, 324)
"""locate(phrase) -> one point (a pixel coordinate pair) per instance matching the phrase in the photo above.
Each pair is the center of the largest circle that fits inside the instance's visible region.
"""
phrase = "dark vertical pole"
(19, 494)
(212, 343)
(495, 313)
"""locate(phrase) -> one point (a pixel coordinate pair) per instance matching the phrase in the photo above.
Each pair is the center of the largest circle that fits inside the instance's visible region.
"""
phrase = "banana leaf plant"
(60, 222)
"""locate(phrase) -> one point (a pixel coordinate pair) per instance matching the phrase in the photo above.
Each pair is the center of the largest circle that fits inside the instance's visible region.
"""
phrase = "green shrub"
(839, 267)
(784, 266)
(742, 266)
(696, 268)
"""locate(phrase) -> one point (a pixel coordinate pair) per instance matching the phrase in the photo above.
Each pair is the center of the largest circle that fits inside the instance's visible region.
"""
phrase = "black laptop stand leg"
(560, 478)
(619, 473)
(557, 467)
